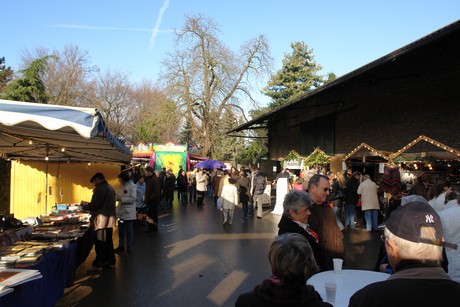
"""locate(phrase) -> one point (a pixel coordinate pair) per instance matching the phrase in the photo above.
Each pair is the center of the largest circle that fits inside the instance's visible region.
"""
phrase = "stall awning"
(437, 150)
(33, 131)
(370, 152)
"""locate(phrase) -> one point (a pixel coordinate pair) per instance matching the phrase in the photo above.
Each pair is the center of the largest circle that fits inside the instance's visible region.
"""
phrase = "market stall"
(425, 155)
(53, 150)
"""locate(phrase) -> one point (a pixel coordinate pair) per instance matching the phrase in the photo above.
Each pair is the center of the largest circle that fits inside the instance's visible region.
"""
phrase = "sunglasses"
(327, 189)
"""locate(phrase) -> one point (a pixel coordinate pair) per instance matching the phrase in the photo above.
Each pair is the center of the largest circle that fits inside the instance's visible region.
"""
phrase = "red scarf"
(313, 234)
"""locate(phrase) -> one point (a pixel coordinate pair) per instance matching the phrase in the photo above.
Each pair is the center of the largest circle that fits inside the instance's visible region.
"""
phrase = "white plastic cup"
(331, 290)
(337, 265)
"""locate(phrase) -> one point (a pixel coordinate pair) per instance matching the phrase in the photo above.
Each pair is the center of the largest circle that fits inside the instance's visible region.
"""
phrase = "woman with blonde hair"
(337, 196)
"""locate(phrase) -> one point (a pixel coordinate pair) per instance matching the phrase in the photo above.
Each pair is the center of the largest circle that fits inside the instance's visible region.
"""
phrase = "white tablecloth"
(348, 282)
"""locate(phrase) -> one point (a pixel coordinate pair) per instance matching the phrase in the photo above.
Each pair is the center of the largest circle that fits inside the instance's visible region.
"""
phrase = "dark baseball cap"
(407, 221)
(97, 176)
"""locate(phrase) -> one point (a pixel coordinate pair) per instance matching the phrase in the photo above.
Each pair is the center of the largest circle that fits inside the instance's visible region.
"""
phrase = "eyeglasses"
(383, 238)
(327, 189)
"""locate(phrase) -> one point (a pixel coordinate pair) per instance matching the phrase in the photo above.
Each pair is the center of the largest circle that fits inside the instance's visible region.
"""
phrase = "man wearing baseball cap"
(413, 242)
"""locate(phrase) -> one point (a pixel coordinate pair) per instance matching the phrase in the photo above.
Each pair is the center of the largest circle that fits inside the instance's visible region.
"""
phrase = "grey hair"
(417, 251)
(294, 200)
(411, 198)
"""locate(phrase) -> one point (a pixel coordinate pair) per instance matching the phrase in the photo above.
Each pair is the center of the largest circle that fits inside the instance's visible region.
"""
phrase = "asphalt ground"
(194, 260)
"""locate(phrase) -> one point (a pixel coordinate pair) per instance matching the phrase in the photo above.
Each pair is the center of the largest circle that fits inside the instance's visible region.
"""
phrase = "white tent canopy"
(33, 131)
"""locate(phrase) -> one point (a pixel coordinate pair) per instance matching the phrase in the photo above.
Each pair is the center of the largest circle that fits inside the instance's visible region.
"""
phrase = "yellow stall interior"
(68, 183)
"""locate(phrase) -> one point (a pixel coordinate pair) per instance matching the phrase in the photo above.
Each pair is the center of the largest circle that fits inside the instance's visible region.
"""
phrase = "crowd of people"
(419, 240)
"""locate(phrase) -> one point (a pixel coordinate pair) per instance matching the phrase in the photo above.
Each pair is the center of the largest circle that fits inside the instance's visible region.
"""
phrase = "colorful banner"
(170, 160)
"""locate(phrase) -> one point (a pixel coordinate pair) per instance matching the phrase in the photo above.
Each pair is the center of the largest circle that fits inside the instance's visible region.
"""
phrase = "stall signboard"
(142, 150)
(293, 164)
(170, 147)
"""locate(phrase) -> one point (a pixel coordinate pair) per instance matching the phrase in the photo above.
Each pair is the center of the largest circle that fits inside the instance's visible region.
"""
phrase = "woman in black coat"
(182, 186)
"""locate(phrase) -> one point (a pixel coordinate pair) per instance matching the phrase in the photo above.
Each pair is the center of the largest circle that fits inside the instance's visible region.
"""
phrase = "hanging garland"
(317, 158)
(292, 156)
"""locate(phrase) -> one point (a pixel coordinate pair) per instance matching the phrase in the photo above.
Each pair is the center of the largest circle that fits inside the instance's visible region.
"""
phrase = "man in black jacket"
(103, 219)
(152, 199)
(323, 220)
(413, 242)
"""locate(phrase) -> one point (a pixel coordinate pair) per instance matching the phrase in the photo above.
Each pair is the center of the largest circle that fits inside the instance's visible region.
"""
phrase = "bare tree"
(111, 98)
(154, 117)
(68, 75)
(206, 79)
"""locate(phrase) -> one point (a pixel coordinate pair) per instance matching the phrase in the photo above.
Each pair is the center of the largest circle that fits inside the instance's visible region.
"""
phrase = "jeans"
(192, 193)
(349, 215)
(371, 217)
(183, 197)
(245, 209)
(125, 232)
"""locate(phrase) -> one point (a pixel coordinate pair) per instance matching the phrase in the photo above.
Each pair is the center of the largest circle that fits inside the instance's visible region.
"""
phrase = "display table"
(348, 282)
(58, 270)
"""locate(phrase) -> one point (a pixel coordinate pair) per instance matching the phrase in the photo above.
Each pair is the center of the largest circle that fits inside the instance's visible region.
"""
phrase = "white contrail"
(104, 28)
(156, 29)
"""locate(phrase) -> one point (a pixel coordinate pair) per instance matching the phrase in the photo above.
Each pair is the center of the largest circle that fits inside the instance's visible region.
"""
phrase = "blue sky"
(134, 36)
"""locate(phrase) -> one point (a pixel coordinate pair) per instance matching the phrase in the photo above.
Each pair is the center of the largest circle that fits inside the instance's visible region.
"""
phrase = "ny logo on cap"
(429, 219)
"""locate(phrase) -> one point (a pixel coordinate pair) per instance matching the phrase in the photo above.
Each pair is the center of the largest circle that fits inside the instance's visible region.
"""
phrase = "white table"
(348, 282)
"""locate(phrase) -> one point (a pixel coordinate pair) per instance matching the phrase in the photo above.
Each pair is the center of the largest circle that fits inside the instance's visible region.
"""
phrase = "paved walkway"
(196, 261)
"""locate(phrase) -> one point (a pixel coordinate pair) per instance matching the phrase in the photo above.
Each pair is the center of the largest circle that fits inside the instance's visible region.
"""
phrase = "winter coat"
(323, 221)
(170, 185)
(258, 184)
(413, 284)
(351, 195)
(140, 194)
(437, 203)
(229, 196)
(181, 183)
(450, 217)
(126, 209)
(102, 206)
(287, 225)
(244, 186)
(223, 181)
(369, 198)
(201, 182)
(270, 294)
(152, 189)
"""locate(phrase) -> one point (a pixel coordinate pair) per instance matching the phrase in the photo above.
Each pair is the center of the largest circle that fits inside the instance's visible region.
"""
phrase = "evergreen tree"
(186, 135)
(298, 76)
(30, 87)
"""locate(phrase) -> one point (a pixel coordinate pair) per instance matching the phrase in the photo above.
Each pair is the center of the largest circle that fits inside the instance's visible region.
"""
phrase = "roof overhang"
(32, 131)
(314, 98)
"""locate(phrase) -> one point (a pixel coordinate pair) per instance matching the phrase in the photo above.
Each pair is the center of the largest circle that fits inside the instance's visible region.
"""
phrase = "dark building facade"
(412, 91)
